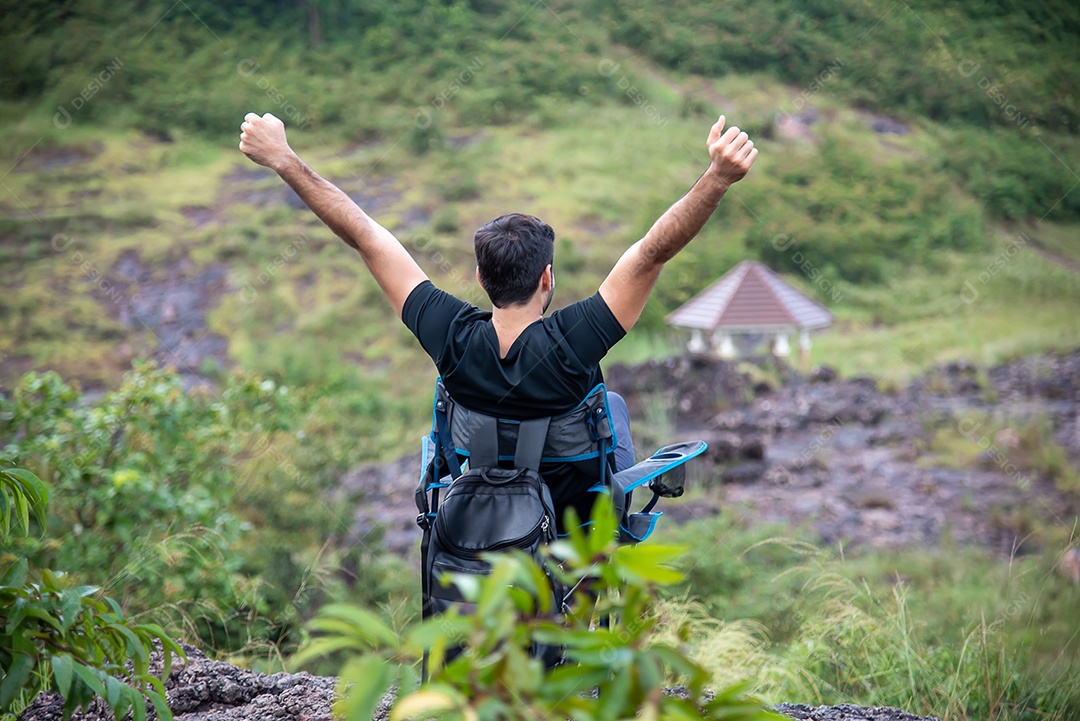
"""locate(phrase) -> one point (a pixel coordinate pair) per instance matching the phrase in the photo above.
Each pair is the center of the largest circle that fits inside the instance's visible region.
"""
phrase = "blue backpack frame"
(583, 434)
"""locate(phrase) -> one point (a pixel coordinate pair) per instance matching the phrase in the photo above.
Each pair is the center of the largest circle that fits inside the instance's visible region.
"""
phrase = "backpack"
(501, 502)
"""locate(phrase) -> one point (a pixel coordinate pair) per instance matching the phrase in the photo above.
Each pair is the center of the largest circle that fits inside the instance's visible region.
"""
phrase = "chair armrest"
(666, 460)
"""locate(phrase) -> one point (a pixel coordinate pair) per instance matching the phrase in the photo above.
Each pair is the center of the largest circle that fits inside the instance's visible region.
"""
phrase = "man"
(512, 361)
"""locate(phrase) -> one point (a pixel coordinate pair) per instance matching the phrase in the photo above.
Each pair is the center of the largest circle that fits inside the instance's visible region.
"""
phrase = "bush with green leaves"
(612, 669)
(141, 493)
(57, 636)
(203, 509)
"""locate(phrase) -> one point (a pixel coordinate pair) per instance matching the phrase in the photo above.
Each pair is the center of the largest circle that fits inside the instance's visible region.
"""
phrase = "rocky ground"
(205, 690)
(847, 712)
(171, 313)
(852, 460)
(858, 462)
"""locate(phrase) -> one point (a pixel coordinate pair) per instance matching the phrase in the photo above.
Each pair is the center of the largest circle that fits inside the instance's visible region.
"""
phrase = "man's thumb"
(717, 128)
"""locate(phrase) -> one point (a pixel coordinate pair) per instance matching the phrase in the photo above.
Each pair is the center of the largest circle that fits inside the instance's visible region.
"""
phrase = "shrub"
(446, 220)
(201, 508)
(71, 639)
(142, 494)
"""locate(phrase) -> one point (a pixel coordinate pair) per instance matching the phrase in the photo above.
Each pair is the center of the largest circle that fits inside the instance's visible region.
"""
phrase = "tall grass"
(958, 635)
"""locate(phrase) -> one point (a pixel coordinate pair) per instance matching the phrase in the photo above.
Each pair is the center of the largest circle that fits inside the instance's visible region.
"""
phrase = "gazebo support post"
(727, 348)
(696, 343)
(804, 351)
(781, 349)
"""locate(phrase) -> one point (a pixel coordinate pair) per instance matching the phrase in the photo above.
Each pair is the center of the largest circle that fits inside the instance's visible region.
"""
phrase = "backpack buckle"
(591, 421)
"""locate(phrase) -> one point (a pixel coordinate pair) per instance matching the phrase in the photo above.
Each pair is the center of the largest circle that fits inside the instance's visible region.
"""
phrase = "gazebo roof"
(750, 297)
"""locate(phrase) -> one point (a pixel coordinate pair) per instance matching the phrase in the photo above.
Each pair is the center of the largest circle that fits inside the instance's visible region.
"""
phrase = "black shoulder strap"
(484, 444)
(483, 438)
(532, 436)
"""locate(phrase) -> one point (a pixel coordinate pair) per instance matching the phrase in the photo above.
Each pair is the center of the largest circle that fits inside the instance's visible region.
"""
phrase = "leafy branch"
(612, 669)
(65, 638)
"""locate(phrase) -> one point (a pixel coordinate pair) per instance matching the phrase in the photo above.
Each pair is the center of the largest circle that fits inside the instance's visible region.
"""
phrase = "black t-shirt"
(547, 371)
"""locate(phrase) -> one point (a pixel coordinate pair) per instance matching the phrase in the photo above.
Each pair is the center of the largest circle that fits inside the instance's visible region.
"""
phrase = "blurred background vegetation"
(911, 153)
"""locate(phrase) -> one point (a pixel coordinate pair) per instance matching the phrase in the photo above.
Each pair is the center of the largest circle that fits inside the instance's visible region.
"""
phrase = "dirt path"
(1054, 256)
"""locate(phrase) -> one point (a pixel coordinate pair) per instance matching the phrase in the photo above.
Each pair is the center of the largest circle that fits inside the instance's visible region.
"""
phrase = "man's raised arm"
(628, 285)
(262, 138)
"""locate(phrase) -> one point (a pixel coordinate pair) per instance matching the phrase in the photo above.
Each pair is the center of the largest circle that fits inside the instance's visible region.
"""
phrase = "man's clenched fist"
(263, 140)
(731, 154)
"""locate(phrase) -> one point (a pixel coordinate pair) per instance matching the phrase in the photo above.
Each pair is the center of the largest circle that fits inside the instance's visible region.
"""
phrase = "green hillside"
(919, 174)
(120, 126)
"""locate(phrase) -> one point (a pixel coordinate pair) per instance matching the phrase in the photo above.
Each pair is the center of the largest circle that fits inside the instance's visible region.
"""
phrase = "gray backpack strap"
(484, 444)
(532, 435)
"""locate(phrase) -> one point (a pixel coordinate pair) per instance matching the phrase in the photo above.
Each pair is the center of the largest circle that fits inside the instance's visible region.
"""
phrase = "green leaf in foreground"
(611, 673)
(69, 639)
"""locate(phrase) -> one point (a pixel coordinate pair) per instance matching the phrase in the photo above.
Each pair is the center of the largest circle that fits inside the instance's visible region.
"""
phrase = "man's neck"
(510, 321)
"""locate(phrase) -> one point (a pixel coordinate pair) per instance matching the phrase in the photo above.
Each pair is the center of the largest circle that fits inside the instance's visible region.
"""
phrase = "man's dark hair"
(511, 254)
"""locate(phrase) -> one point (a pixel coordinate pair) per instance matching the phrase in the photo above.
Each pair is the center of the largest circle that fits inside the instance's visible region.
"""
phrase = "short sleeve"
(428, 313)
(590, 328)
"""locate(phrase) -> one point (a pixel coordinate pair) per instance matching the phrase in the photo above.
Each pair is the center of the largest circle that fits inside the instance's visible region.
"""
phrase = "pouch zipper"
(539, 530)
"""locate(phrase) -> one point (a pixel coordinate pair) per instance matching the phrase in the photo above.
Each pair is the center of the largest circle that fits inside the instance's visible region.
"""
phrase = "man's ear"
(478, 278)
(547, 280)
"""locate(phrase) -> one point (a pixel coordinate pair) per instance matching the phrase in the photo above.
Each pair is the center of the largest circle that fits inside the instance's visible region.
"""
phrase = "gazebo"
(750, 298)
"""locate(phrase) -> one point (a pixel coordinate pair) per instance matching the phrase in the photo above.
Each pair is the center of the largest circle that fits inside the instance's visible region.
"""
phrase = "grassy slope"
(933, 324)
(598, 174)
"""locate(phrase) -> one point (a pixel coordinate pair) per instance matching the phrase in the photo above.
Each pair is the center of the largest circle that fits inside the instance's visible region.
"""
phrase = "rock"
(847, 712)
(748, 472)
(723, 447)
(1007, 438)
(1050, 376)
(173, 309)
(842, 712)
(753, 449)
(823, 374)
(884, 125)
(796, 125)
(205, 690)
(762, 388)
(385, 510)
(697, 386)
